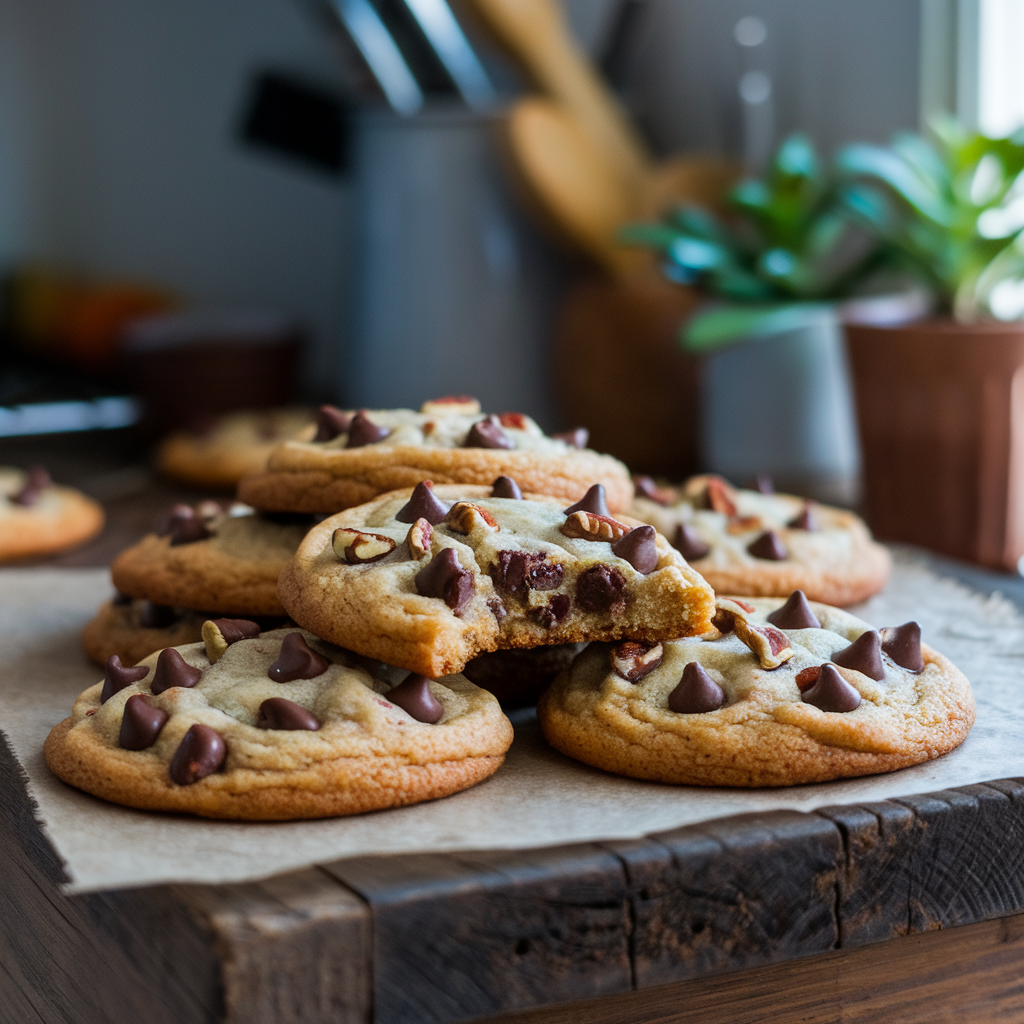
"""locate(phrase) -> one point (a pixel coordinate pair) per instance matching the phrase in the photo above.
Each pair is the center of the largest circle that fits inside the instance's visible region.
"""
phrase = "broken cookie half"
(428, 578)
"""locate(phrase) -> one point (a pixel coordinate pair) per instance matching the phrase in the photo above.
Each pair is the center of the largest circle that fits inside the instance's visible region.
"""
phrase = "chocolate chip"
(423, 503)
(577, 438)
(201, 752)
(696, 693)
(234, 630)
(498, 609)
(117, 677)
(330, 423)
(506, 487)
(553, 612)
(518, 572)
(363, 431)
(593, 501)
(795, 613)
(689, 543)
(806, 520)
(444, 577)
(832, 692)
(178, 513)
(639, 547)
(413, 696)
(863, 655)
(295, 660)
(488, 433)
(120, 600)
(634, 659)
(764, 484)
(601, 588)
(645, 487)
(37, 480)
(173, 670)
(903, 645)
(157, 616)
(140, 724)
(281, 713)
(188, 531)
(769, 547)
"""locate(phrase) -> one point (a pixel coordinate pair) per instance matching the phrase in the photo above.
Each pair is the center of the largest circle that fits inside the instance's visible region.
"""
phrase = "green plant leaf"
(718, 327)
(887, 166)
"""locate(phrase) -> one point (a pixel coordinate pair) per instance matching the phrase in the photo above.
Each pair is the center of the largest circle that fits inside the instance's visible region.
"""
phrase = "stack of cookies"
(447, 547)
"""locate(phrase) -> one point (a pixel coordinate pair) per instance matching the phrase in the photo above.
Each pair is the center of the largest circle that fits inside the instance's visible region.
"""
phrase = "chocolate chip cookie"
(40, 518)
(780, 692)
(356, 456)
(224, 561)
(274, 726)
(428, 578)
(224, 450)
(756, 544)
(134, 628)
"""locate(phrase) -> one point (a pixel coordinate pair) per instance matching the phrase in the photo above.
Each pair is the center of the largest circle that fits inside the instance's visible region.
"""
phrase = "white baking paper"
(538, 798)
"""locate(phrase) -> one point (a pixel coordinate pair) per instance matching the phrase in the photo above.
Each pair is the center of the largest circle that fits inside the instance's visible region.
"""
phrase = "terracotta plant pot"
(941, 414)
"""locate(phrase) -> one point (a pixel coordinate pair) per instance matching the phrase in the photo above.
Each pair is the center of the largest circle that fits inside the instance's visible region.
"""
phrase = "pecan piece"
(420, 537)
(634, 659)
(465, 517)
(464, 405)
(591, 526)
(358, 547)
(771, 645)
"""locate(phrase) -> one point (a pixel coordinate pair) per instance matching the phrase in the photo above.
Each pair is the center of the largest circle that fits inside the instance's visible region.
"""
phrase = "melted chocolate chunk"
(444, 577)
(140, 724)
(577, 438)
(423, 503)
(178, 513)
(602, 588)
(363, 431)
(518, 572)
(903, 645)
(863, 655)
(234, 630)
(806, 520)
(795, 613)
(413, 696)
(554, 612)
(157, 616)
(696, 693)
(769, 547)
(331, 422)
(689, 544)
(201, 752)
(645, 487)
(635, 659)
(506, 487)
(831, 692)
(488, 433)
(189, 530)
(593, 501)
(172, 670)
(118, 677)
(639, 547)
(37, 480)
(296, 661)
(498, 610)
(281, 713)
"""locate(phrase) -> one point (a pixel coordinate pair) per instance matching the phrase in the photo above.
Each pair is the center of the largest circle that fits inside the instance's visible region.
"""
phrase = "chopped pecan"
(720, 497)
(420, 537)
(464, 405)
(357, 547)
(770, 645)
(591, 526)
(465, 517)
(743, 524)
(634, 659)
(727, 610)
(514, 420)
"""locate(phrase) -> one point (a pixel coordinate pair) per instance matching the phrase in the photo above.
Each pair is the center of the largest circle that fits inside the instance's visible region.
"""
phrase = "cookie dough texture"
(61, 518)
(119, 629)
(837, 563)
(764, 735)
(236, 444)
(233, 572)
(368, 754)
(376, 609)
(327, 477)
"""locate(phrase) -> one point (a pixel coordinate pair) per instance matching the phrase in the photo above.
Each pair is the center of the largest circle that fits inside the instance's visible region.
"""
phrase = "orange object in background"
(74, 319)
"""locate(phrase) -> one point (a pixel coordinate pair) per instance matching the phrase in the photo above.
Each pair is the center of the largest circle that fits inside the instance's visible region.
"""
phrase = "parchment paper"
(538, 798)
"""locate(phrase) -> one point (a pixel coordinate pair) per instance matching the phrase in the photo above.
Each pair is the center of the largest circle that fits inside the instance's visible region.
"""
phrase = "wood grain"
(459, 936)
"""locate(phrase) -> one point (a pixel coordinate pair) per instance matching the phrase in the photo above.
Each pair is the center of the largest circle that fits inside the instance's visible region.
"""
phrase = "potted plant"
(940, 402)
(775, 394)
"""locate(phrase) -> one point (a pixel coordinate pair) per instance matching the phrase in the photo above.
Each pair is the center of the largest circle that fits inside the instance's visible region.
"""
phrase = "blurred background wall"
(120, 151)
